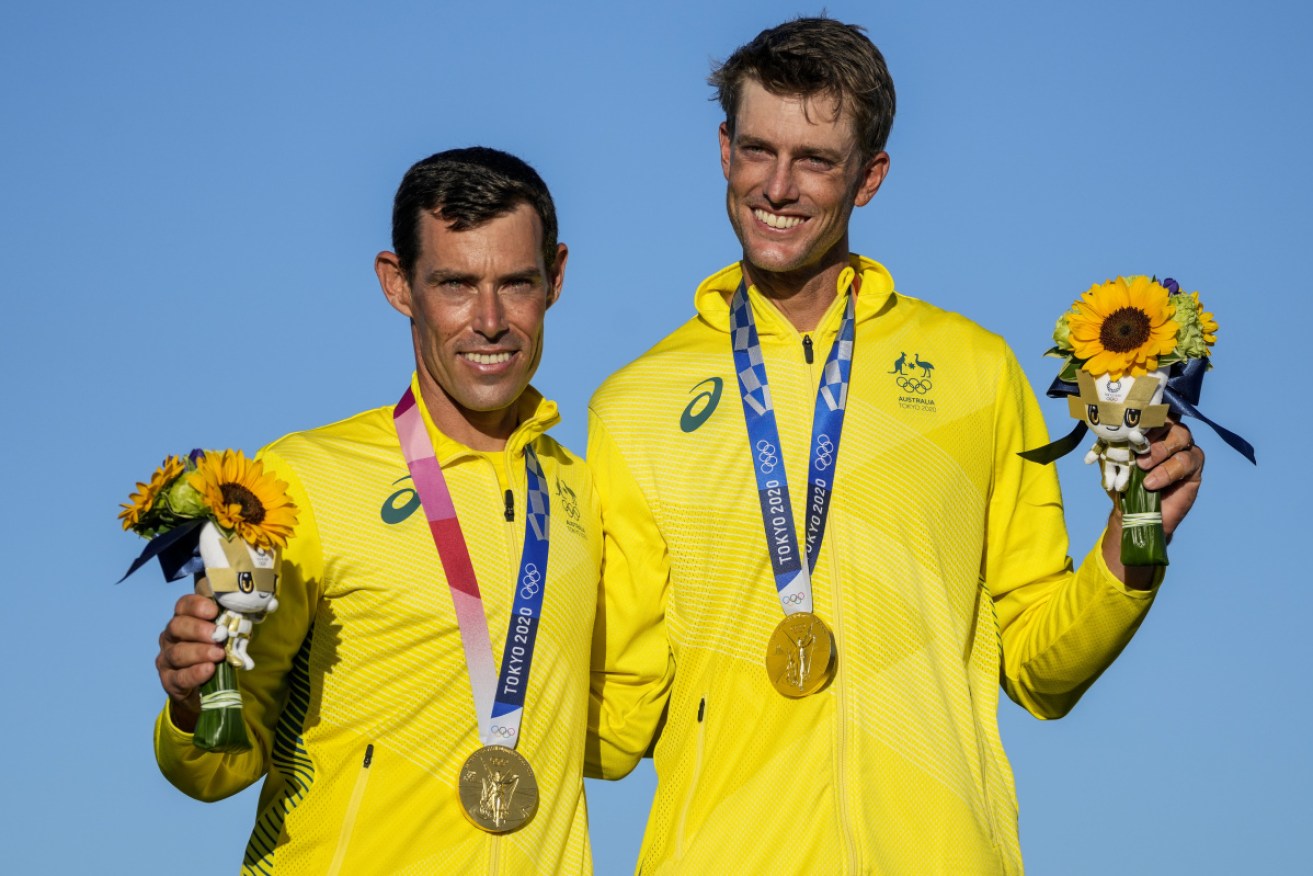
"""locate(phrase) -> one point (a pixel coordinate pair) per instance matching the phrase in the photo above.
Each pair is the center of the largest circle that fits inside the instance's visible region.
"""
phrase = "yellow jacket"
(943, 568)
(363, 655)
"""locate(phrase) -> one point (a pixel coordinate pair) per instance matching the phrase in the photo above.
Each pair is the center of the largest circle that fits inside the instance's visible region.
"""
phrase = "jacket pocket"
(694, 777)
(352, 807)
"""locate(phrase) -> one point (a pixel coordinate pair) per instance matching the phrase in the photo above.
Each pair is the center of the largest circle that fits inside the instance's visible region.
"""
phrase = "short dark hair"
(810, 56)
(466, 188)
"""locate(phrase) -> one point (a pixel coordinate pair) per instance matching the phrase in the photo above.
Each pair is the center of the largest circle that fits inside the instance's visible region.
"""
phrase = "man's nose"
(781, 186)
(489, 313)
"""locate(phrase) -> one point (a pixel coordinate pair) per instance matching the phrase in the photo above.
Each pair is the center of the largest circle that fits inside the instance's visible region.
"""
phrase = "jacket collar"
(536, 416)
(714, 293)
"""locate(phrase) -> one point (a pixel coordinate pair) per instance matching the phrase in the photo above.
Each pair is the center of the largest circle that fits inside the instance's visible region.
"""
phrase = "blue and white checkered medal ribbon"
(792, 574)
(508, 705)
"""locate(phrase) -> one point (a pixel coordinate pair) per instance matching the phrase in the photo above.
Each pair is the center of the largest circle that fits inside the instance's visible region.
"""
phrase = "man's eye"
(819, 163)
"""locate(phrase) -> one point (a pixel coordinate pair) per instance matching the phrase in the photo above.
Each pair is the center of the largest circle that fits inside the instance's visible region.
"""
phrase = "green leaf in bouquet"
(185, 501)
(1143, 541)
(220, 726)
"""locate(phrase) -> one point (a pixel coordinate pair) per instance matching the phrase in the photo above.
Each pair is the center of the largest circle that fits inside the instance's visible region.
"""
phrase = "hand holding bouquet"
(1136, 351)
(220, 517)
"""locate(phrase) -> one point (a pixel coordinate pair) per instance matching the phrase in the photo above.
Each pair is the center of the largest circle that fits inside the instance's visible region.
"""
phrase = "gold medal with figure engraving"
(498, 790)
(800, 656)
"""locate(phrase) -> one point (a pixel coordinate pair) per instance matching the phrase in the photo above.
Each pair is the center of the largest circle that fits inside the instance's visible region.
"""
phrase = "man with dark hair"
(388, 741)
(821, 635)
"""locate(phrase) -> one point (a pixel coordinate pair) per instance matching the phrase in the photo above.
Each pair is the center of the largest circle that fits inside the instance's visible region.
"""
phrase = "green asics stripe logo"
(401, 504)
(708, 398)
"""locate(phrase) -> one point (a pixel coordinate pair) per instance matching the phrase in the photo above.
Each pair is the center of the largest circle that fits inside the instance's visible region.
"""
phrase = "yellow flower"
(1122, 327)
(244, 499)
(1207, 322)
(140, 502)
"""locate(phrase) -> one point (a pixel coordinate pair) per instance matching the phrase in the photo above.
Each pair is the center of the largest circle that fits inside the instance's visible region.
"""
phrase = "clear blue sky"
(191, 198)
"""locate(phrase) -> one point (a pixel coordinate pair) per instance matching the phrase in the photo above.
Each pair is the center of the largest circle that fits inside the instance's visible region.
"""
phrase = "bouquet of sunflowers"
(1135, 351)
(220, 517)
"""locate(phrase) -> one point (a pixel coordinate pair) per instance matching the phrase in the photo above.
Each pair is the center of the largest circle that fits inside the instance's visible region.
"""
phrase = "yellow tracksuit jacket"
(943, 568)
(360, 707)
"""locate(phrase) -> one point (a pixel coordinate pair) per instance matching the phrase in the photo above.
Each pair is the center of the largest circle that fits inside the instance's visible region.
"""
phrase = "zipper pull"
(369, 754)
(702, 708)
(510, 506)
(807, 347)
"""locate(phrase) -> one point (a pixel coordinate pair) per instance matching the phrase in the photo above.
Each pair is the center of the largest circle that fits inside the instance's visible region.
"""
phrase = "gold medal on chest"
(498, 791)
(801, 655)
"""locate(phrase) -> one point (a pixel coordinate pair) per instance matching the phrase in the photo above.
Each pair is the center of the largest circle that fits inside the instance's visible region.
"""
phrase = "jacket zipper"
(841, 720)
(508, 514)
(693, 781)
(841, 699)
(352, 807)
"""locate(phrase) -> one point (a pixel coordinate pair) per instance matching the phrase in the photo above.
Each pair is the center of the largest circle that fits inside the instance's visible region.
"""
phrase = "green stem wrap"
(1143, 542)
(220, 727)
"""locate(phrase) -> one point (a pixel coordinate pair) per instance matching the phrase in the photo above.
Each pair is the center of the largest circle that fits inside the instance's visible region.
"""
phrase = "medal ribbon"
(498, 701)
(792, 575)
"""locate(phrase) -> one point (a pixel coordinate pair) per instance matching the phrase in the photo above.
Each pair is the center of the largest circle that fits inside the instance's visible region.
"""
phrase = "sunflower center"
(1126, 329)
(252, 507)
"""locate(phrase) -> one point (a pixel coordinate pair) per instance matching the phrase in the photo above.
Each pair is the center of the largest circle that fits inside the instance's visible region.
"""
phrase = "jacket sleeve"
(274, 643)
(1059, 628)
(632, 665)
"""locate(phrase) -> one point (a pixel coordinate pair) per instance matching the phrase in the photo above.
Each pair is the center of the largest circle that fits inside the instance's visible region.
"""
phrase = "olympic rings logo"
(795, 599)
(915, 384)
(531, 583)
(766, 456)
(502, 732)
(824, 452)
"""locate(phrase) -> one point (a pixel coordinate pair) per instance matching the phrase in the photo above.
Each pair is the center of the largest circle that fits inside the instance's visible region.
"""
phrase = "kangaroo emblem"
(925, 367)
(899, 364)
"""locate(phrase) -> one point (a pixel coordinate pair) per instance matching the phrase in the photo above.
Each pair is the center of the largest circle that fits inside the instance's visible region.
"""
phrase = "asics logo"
(401, 504)
(767, 461)
(703, 404)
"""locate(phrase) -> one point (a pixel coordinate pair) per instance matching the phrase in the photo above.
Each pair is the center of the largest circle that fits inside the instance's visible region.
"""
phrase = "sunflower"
(140, 503)
(1123, 326)
(244, 499)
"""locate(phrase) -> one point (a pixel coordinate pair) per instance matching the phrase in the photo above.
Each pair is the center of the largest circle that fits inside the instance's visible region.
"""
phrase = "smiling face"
(795, 172)
(476, 300)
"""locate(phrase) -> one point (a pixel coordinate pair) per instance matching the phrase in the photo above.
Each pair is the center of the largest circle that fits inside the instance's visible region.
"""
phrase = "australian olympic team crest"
(914, 377)
(569, 503)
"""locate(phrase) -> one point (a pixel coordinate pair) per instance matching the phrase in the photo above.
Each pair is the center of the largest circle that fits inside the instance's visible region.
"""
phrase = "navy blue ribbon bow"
(1185, 381)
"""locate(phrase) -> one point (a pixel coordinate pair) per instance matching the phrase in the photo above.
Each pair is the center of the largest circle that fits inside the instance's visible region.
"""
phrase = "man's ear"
(393, 281)
(726, 141)
(876, 170)
(558, 274)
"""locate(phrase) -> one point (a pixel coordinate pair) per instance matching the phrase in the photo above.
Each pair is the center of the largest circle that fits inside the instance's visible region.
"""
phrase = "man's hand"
(187, 657)
(1174, 469)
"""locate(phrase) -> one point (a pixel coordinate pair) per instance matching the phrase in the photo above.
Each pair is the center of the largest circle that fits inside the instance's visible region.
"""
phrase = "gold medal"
(800, 656)
(498, 791)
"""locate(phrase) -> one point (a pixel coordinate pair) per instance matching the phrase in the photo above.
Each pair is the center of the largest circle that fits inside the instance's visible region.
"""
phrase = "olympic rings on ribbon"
(503, 732)
(824, 452)
(794, 599)
(915, 384)
(530, 583)
(766, 456)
